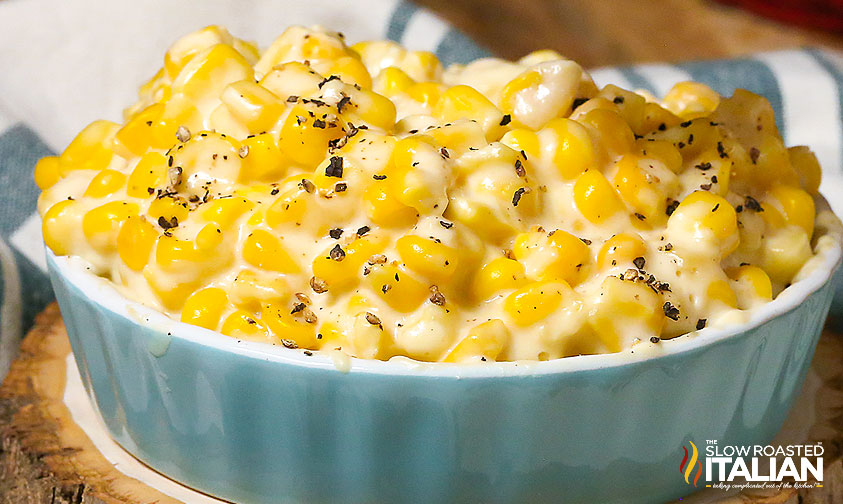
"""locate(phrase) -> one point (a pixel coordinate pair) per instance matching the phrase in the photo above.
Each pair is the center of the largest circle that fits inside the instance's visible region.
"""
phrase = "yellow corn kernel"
(292, 79)
(343, 269)
(47, 172)
(620, 250)
(772, 165)
(720, 291)
(225, 212)
(427, 93)
(521, 83)
(135, 241)
(595, 197)
(709, 217)
(168, 209)
(751, 284)
(101, 224)
(104, 183)
(797, 206)
(784, 252)
(427, 257)
(352, 71)
(459, 137)
(287, 326)
(423, 65)
(146, 130)
(465, 102)
(372, 109)
(636, 189)
(250, 289)
(397, 287)
(263, 160)
(480, 218)
(499, 274)
(613, 131)
(629, 105)
(263, 250)
(244, 325)
(656, 117)
(172, 294)
(662, 150)
(184, 49)
(417, 173)
(535, 301)
(555, 256)
(91, 149)
(173, 254)
(210, 71)
(522, 140)
(807, 167)
(626, 310)
(384, 208)
(690, 100)
(149, 173)
(302, 140)
(486, 340)
(290, 207)
(208, 238)
(573, 151)
(253, 105)
(392, 81)
(204, 308)
(179, 110)
(59, 226)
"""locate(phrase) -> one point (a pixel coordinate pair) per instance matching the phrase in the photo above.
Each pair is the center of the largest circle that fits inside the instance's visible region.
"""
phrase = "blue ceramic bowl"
(253, 423)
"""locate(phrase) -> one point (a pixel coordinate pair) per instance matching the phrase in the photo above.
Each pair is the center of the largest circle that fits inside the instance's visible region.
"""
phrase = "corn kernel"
(626, 310)
(751, 284)
(612, 130)
(637, 190)
(251, 290)
(263, 250)
(252, 104)
(703, 216)
(244, 325)
(807, 167)
(302, 140)
(784, 253)
(149, 174)
(522, 140)
(384, 208)
(397, 287)
(104, 183)
(535, 301)
(352, 71)
(340, 273)
(392, 81)
(797, 206)
(485, 340)
(59, 226)
(91, 149)
(662, 150)
(47, 172)
(620, 250)
(720, 291)
(427, 257)
(210, 71)
(595, 197)
(426, 93)
(629, 105)
(135, 241)
(101, 224)
(499, 274)
(571, 147)
(689, 100)
(465, 102)
(168, 209)
(286, 326)
(557, 256)
(263, 160)
(290, 207)
(225, 212)
(204, 308)
(144, 131)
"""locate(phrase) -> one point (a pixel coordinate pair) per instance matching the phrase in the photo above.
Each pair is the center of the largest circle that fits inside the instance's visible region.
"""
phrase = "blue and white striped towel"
(67, 63)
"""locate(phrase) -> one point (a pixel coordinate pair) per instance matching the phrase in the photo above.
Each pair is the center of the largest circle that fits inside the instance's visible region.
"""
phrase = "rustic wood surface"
(599, 32)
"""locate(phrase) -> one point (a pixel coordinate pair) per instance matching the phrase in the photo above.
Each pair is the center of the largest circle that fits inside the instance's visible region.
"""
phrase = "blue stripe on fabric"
(837, 75)
(20, 149)
(399, 20)
(457, 48)
(725, 76)
(637, 80)
(36, 291)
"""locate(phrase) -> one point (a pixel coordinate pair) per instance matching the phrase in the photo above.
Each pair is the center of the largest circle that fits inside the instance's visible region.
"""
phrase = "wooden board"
(46, 457)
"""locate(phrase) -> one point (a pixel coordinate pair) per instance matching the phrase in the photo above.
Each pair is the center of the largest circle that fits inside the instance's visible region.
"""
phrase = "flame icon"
(687, 470)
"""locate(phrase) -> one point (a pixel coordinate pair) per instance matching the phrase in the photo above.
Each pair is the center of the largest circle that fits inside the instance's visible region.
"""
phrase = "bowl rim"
(101, 292)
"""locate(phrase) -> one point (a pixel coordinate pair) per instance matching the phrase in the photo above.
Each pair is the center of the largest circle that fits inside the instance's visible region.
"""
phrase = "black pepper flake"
(297, 308)
(445, 153)
(373, 319)
(714, 179)
(335, 233)
(639, 262)
(308, 353)
(739, 209)
(701, 323)
(274, 191)
(670, 311)
(753, 154)
(288, 343)
(329, 79)
(578, 102)
(516, 198)
(436, 297)
(655, 339)
(662, 127)
(385, 288)
(668, 247)
(715, 208)
(340, 187)
(685, 124)
(308, 186)
(334, 169)
(690, 139)
(640, 217)
(292, 99)
(319, 123)
(752, 204)
(344, 101)
(446, 225)
(703, 166)
(170, 162)
(586, 241)
(379, 177)
(617, 100)
(337, 253)
(721, 151)
(519, 168)
(173, 222)
(705, 187)
(318, 285)
(506, 119)
(363, 230)
(671, 207)
(681, 145)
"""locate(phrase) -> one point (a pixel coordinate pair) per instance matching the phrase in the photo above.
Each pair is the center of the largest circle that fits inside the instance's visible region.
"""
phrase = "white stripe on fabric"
(663, 77)
(424, 31)
(811, 107)
(5, 122)
(10, 311)
(603, 76)
(27, 240)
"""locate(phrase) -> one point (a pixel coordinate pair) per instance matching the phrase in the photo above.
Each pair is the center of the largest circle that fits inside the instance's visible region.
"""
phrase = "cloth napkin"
(66, 63)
